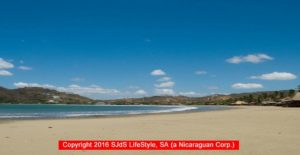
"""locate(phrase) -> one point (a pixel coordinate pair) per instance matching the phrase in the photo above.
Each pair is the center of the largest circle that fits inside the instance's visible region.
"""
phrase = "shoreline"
(121, 115)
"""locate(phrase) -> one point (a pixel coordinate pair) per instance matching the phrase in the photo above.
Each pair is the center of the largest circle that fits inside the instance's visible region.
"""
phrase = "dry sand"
(261, 131)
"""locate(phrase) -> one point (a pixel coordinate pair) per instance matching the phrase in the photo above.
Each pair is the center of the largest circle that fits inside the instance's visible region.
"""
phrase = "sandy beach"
(261, 131)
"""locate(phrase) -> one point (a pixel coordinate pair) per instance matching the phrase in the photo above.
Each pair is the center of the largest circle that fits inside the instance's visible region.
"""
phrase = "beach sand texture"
(261, 131)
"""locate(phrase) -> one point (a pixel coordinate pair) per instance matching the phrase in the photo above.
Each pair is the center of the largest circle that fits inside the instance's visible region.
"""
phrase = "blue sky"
(108, 49)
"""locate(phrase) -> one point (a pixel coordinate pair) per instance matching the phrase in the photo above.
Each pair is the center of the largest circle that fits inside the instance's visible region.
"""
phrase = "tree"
(250, 98)
(298, 88)
(276, 93)
(265, 96)
(259, 100)
(272, 96)
(291, 92)
(281, 94)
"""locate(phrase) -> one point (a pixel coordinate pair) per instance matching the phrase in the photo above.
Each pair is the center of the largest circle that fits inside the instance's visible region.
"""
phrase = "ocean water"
(64, 111)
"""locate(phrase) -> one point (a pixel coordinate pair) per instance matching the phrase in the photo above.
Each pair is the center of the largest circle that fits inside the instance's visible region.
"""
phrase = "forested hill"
(34, 95)
(254, 98)
(40, 95)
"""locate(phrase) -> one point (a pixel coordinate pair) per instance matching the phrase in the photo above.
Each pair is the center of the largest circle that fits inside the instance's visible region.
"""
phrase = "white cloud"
(140, 92)
(200, 72)
(251, 58)
(158, 72)
(24, 68)
(247, 86)
(5, 64)
(165, 84)
(191, 94)
(163, 88)
(24, 84)
(220, 93)
(5, 73)
(164, 79)
(77, 79)
(235, 60)
(76, 89)
(276, 76)
(93, 89)
(164, 91)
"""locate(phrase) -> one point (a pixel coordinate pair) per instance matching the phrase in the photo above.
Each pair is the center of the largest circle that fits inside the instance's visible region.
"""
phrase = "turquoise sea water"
(64, 111)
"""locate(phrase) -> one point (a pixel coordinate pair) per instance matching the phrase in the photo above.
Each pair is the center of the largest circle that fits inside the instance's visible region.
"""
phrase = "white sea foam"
(62, 114)
(133, 112)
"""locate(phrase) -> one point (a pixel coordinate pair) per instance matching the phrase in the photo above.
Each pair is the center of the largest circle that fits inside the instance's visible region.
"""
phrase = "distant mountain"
(255, 98)
(40, 95)
(32, 95)
(168, 100)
